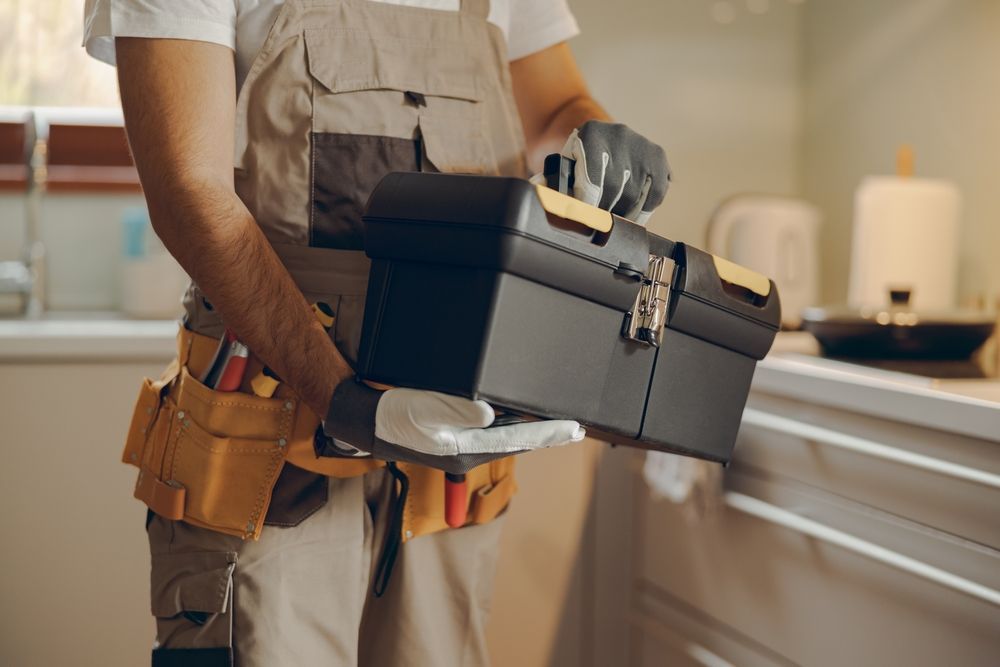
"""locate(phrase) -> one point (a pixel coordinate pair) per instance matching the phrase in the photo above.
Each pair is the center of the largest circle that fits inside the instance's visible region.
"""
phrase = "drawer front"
(666, 632)
(814, 601)
(651, 652)
(942, 480)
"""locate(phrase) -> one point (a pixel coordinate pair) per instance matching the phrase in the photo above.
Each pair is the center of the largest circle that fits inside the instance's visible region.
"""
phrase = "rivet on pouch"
(250, 527)
(289, 405)
(282, 442)
(180, 415)
(409, 534)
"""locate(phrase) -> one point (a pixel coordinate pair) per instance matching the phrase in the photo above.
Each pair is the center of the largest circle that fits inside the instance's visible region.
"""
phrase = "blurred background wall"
(923, 72)
(719, 89)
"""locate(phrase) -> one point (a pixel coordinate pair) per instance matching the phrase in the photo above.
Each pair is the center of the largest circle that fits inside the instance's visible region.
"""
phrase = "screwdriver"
(225, 373)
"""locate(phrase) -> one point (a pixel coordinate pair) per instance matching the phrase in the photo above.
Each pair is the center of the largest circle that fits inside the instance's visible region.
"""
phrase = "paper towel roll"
(905, 236)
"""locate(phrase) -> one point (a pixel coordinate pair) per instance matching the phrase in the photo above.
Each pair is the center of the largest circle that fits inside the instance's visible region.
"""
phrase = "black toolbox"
(497, 289)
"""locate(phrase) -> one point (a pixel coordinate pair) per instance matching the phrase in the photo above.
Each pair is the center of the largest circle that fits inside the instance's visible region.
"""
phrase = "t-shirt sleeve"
(201, 20)
(538, 24)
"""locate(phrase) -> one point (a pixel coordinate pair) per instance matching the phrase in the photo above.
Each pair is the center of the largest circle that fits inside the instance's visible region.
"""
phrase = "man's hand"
(618, 169)
(444, 425)
(422, 426)
(552, 99)
(179, 101)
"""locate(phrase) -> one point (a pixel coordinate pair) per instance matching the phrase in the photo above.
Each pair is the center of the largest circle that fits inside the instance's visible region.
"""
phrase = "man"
(317, 101)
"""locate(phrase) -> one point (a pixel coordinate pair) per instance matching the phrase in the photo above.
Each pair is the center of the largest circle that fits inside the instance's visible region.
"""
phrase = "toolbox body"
(476, 289)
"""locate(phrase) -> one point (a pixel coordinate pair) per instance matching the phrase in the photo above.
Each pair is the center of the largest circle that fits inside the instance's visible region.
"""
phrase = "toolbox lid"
(507, 224)
(722, 302)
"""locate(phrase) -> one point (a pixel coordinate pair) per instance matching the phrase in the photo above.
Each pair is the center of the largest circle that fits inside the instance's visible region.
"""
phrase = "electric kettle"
(776, 236)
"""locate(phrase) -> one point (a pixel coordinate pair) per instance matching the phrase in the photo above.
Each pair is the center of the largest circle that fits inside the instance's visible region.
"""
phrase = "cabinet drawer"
(943, 480)
(666, 632)
(818, 603)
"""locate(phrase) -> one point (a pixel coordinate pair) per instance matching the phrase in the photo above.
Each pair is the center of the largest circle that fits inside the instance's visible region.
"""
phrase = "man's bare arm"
(552, 99)
(179, 103)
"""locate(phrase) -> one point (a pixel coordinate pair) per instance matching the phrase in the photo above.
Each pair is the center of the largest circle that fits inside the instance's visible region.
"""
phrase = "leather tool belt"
(212, 458)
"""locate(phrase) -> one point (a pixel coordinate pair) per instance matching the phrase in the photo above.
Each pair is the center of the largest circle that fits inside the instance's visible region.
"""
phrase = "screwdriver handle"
(456, 499)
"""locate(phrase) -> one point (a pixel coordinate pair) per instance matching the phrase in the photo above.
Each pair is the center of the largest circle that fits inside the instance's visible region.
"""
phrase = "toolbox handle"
(570, 208)
(556, 196)
(733, 273)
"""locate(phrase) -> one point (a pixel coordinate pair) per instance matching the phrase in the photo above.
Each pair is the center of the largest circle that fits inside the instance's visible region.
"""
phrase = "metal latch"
(645, 321)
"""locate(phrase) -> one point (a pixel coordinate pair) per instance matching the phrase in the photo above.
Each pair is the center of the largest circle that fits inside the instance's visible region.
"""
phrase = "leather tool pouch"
(205, 457)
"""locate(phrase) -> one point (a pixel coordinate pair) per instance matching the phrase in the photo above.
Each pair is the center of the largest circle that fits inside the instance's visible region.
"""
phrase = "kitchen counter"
(793, 370)
(86, 337)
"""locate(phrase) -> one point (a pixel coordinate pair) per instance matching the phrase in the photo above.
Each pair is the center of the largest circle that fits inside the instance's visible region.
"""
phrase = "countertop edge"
(87, 341)
(914, 400)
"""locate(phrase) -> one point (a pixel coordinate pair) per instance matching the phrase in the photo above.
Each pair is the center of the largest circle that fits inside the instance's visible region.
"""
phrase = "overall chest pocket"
(383, 103)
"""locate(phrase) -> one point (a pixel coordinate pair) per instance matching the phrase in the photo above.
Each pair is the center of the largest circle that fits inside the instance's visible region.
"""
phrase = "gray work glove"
(617, 169)
(447, 432)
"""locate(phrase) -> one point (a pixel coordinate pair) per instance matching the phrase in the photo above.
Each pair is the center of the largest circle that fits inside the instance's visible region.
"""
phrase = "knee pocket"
(191, 596)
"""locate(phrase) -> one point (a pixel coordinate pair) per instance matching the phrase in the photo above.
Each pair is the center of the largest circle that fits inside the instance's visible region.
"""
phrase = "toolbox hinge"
(644, 323)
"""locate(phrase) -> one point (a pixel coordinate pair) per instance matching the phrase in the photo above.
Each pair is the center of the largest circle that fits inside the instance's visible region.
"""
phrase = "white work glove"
(617, 169)
(447, 432)
(445, 425)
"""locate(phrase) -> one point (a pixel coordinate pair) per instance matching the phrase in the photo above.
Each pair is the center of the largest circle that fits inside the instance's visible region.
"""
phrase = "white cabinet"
(74, 551)
(843, 538)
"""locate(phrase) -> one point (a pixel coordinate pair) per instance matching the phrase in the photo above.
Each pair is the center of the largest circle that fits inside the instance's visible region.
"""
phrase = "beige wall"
(723, 99)
(924, 72)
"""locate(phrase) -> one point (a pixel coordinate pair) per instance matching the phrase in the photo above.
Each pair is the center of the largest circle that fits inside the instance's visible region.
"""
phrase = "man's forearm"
(227, 255)
(552, 100)
(178, 98)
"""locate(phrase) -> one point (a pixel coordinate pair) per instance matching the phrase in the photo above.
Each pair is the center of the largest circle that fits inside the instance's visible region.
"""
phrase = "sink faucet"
(26, 277)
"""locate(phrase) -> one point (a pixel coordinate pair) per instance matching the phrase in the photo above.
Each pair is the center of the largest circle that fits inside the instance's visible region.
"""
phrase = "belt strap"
(394, 532)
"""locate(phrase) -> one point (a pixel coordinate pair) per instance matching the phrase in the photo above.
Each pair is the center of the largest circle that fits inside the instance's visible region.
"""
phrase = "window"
(42, 62)
(74, 99)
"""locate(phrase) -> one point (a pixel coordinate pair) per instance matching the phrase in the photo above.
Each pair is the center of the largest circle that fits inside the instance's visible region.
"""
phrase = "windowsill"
(66, 178)
(87, 151)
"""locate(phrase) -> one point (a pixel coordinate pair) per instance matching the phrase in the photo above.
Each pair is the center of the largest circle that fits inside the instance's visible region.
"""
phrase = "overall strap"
(479, 8)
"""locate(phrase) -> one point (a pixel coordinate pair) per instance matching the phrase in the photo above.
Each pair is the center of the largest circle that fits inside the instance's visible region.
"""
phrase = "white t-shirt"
(242, 25)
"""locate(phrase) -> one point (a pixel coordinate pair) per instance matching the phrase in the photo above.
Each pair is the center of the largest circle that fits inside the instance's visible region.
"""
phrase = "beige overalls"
(262, 552)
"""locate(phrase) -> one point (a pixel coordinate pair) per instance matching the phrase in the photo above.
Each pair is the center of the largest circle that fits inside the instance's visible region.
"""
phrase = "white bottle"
(152, 282)
(905, 237)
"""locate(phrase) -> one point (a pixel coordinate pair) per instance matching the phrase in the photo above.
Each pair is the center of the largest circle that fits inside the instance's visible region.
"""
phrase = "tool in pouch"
(225, 373)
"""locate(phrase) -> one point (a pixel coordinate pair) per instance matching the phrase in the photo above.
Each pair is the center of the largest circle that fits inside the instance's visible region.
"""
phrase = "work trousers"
(302, 595)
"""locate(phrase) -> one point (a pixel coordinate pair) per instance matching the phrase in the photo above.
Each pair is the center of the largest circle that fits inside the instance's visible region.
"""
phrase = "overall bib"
(341, 93)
